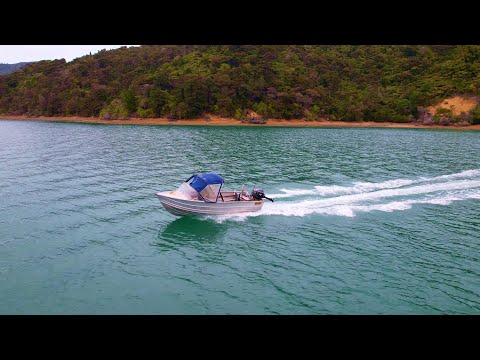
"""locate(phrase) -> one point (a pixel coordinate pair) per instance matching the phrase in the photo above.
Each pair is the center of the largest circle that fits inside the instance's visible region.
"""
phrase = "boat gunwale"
(195, 212)
(207, 208)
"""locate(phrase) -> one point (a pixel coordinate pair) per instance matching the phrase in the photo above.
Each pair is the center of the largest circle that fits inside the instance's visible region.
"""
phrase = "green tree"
(129, 101)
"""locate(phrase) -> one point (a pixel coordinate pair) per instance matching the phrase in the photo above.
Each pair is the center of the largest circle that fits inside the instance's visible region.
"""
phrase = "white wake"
(387, 196)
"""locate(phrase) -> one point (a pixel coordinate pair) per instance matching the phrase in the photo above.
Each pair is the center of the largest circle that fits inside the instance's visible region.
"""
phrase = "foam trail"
(442, 193)
(407, 204)
(361, 187)
(466, 173)
(291, 193)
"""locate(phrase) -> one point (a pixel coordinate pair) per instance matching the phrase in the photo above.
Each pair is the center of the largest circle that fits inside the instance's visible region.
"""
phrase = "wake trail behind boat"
(387, 196)
(360, 187)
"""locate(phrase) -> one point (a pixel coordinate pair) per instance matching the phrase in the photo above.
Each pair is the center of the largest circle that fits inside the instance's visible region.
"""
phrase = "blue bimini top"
(201, 181)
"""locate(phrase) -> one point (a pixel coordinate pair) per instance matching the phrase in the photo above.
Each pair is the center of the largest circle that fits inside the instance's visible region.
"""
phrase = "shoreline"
(218, 121)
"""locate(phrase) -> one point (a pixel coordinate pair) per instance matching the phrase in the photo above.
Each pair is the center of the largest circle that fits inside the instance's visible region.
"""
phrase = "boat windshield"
(186, 191)
(210, 192)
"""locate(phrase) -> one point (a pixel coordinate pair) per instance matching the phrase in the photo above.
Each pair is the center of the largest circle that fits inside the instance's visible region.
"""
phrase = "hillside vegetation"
(351, 83)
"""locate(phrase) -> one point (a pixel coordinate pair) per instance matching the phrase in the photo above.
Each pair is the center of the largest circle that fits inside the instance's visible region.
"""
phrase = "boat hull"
(182, 207)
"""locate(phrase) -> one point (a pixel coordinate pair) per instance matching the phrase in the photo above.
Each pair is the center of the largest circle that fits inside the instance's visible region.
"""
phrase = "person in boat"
(244, 195)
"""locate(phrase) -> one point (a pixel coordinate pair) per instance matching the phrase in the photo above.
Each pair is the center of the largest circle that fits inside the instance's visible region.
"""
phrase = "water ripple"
(377, 221)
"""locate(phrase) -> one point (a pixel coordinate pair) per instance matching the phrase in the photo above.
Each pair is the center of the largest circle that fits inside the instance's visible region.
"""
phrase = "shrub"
(114, 110)
(476, 115)
(145, 113)
(238, 114)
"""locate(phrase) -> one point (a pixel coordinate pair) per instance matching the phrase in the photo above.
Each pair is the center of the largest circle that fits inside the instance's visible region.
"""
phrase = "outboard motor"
(259, 194)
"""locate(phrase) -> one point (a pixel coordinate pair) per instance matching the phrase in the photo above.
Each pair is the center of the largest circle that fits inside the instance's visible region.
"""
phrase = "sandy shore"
(218, 121)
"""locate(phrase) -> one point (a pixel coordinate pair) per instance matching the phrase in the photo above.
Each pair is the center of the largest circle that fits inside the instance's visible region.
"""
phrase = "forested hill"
(379, 83)
(9, 68)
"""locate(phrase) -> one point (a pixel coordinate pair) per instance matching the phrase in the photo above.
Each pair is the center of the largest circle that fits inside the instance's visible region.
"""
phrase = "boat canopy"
(201, 181)
(205, 185)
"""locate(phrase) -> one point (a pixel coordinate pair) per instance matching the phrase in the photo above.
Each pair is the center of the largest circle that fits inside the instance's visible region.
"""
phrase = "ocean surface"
(365, 221)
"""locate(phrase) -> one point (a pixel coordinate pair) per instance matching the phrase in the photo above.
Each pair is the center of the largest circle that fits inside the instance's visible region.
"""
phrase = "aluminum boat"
(201, 194)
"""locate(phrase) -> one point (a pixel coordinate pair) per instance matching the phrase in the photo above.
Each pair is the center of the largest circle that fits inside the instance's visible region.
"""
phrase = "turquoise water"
(366, 221)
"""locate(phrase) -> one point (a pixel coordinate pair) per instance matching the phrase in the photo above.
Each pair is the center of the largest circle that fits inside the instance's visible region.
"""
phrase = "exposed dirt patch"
(457, 105)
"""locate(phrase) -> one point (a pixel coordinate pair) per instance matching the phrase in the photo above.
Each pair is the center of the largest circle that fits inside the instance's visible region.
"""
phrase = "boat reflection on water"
(190, 231)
